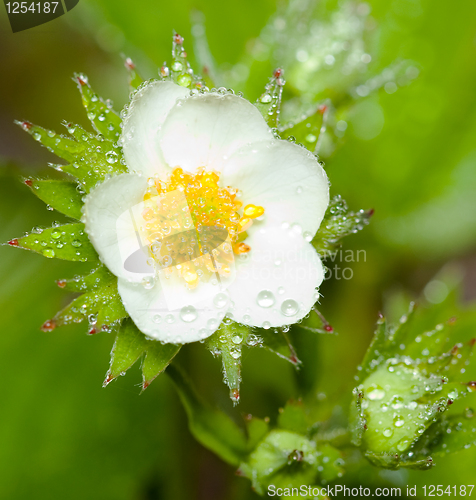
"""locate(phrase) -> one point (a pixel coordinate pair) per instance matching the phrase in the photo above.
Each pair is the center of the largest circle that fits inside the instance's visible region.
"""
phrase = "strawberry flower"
(218, 211)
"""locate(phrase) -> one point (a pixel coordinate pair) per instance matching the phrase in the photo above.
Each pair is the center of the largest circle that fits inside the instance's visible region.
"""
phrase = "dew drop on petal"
(289, 307)
(188, 314)
(170, 318)
(265, 298)
(220, 300)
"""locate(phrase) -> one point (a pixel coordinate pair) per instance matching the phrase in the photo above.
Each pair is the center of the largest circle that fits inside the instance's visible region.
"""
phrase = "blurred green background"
(410, 155)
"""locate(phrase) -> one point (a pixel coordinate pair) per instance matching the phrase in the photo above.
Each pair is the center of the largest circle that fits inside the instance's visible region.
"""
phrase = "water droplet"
(170, 318)
(157, 318)
(111, 157)
(76, 243)
(388, 433)
(235, 353)
(376, 394)
(265, 298)
(188, 314)
(289, 307)
(48, 252)
(398, 421)
(148, 282)
(281, 290)
(220, 300)
(266, 325)
(402, 445)
(237, 339)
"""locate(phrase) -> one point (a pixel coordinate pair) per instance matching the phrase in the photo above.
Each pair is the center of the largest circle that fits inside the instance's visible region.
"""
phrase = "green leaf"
(103, 118)
(227, 342)
(103, 308)
(98, 277)
(67, 242)
(63, 196)
(129, 346)
(307, 130)
(213, 428)
(338, 222)
(134, 78)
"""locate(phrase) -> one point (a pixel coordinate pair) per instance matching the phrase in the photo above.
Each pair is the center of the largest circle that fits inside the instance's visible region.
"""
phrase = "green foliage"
(288, 460)
(130, 345)
(338, 222)
(212, 428)
(408, 381)
(64, 196)
(67, 242)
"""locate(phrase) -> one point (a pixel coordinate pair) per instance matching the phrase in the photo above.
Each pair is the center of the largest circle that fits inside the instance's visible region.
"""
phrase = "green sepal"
(212, 428)
(156, 360)
(63, 196)
(130, 345)
(449, 435)
(99, 159)
(227, 342)
(306, 131)
(91, 159)
(97, 278)
(338, 222)
(269, 103)
(67, 242)
(61, 146)
(103, 308)
(293, 417)
(357, 421)
(180, 71)
(103, 118)
(277, 341)
(134, 78)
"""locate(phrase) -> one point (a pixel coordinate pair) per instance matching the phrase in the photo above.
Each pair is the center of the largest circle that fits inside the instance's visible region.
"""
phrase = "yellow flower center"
(192, 225)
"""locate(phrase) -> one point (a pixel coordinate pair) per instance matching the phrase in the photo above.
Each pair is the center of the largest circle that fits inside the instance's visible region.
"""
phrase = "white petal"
(276, 283)
(147, 112)
(113, 235)
(285, 179)
(203, 130)
(148, 309)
